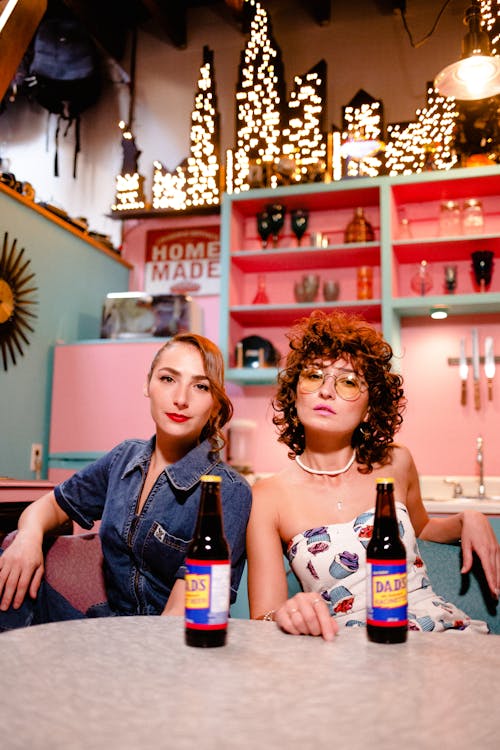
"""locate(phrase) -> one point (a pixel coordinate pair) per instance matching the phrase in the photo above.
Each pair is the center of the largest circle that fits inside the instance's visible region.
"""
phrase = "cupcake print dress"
(331, 560)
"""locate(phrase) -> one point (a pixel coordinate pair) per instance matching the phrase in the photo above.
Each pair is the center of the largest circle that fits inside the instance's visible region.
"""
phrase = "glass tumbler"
(450, 220)
(472, 216)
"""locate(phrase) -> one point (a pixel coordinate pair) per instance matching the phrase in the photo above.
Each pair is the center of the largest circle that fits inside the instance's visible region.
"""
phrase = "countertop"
(131, 682)
(23, 490)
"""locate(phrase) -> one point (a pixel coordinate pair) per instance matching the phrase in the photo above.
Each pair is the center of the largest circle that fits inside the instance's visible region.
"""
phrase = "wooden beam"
(171, 17)
(19, 20)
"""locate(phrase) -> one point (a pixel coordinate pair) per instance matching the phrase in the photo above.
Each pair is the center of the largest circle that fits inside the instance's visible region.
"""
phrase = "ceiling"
(110, 21)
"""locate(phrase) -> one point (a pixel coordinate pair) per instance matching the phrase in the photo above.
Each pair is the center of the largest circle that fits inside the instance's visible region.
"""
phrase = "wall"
(439, 430)
(73, 276)
(363, 48)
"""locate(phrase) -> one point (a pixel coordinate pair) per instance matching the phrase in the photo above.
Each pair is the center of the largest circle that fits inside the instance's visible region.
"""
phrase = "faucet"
(457, 487)
(481, 492)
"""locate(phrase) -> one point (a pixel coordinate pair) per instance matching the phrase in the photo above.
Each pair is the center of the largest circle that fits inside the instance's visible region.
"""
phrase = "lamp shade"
(475, 77)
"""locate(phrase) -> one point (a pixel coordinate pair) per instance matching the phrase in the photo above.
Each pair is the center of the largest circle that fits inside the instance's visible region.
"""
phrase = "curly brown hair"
(214, 369)
(331, 337)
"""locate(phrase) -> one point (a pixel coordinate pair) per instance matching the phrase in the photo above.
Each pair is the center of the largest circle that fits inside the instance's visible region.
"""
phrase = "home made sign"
(183, 261)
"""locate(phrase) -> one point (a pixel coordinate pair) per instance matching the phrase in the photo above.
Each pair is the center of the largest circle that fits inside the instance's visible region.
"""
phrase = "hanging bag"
(65, 75)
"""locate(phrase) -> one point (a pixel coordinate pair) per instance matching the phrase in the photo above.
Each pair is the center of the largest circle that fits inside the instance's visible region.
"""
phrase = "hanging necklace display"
(326, 472)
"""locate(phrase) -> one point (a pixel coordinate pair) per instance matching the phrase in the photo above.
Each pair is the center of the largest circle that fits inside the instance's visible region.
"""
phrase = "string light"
(304, 141)
(129, 184)
(363, 123)
(490, 22)
(426, 143)
(259, 101)
(195, 183)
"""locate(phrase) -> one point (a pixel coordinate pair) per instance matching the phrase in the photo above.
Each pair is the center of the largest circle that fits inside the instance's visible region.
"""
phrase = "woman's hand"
(478, 536)
(21, 570)
(306, 614)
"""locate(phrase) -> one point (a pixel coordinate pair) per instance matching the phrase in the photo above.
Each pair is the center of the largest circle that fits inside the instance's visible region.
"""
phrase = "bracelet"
(269, 616)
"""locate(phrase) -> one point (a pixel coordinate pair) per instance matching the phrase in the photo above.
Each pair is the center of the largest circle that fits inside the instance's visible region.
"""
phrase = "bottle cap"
(385, 480)
(210, 478)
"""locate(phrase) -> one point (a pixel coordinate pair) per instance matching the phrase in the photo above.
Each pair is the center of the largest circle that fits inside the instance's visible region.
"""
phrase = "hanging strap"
(69, 121)
(56, 155)
(77, 144)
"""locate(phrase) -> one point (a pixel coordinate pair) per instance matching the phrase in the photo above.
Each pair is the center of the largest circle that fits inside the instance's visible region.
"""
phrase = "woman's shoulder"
(273, 486)
(401, 457)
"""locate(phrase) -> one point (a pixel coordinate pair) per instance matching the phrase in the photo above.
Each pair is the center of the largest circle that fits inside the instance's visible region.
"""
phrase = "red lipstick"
(177, 417)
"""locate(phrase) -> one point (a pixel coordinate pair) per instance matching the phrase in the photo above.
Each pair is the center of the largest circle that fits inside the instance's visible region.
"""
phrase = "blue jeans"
(49, 606)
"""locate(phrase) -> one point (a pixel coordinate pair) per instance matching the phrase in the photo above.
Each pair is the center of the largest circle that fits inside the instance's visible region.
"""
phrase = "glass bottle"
(404, 226)
(421, 282)
(261, 297)
(365, 282)
(386, 582)
(208, 572)
(359, 228)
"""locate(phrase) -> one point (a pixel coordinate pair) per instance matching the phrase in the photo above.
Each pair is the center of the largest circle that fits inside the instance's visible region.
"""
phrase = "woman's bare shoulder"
(401, 457)
(272, 486)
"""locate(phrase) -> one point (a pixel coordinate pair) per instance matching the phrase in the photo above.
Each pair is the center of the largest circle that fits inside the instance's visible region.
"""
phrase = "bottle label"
(387, 598)
(207, 594)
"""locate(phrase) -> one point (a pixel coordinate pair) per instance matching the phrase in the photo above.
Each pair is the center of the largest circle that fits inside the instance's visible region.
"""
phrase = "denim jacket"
(144, 553)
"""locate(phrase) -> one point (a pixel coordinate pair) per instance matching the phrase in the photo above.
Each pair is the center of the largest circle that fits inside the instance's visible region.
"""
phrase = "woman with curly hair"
(337, 408)
(146, 494)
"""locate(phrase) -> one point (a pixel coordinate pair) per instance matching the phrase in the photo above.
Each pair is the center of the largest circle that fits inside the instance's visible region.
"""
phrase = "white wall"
(363, 49)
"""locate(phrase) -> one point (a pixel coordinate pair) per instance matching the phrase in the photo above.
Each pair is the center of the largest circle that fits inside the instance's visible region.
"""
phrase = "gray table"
(125, 683)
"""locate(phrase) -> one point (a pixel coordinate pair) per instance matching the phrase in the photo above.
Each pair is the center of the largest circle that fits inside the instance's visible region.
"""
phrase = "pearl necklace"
(326, 472)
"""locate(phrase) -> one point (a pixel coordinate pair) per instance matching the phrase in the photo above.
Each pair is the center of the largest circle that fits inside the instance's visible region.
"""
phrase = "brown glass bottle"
(359, 228)
(208, 574)
(386, 591)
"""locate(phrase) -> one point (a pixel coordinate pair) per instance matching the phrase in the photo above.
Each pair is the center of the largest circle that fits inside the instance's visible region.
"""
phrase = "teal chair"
(443, 562)
(469, 592)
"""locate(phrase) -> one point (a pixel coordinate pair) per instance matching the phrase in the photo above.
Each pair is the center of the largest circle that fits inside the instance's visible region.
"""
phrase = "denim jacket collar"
(186, 472)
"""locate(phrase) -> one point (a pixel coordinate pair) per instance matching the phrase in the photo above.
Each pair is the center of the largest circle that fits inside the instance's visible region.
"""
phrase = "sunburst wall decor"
(16, 292)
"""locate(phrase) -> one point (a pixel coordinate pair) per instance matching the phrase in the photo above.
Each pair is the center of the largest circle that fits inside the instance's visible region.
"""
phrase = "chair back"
(73, 567)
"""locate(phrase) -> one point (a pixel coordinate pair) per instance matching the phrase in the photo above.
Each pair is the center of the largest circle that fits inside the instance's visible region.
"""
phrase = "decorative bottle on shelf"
(359, 228)
(386, 586)
(365, 282)
(261, 297)
(208, 572)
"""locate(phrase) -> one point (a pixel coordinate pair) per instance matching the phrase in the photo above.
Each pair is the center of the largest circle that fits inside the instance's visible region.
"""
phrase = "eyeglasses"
(349, 387)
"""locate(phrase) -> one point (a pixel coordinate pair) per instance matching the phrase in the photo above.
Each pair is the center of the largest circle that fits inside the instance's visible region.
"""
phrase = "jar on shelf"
(450, 220)
(365, 282)
(472, 216)
(359, 228)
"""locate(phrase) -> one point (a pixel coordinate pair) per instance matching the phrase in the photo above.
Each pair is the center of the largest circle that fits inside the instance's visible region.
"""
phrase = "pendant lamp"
(477, 74)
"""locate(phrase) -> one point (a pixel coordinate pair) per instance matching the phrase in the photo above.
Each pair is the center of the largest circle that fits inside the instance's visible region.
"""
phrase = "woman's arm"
(176, 601)
(470, 527)
(267, 584)
(476, 534)
(304, 613)
(21, 564)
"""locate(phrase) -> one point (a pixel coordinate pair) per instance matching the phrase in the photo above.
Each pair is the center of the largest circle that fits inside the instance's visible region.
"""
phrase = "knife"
(489, 365)
(475, 367)
(464, 372)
